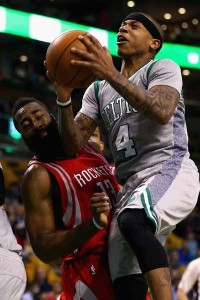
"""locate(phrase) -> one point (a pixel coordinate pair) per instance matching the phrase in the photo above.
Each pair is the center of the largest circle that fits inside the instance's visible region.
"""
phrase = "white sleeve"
(166, 72)
(190, 276)
(90, 105)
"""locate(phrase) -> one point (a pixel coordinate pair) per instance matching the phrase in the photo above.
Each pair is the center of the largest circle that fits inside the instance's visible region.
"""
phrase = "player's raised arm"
(74, 132)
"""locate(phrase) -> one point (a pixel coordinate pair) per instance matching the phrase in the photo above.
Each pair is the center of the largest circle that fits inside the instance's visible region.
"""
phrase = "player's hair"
(22, 101)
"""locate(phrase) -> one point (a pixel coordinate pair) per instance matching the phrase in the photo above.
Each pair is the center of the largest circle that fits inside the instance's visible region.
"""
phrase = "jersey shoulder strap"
(150, 67)
(96, 89)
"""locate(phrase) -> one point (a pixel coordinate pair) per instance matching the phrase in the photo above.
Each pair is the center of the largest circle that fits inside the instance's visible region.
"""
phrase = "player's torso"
(137, 142)
(78, 180)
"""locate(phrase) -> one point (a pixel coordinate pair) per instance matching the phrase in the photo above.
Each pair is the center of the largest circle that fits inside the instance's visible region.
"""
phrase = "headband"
(148, 24)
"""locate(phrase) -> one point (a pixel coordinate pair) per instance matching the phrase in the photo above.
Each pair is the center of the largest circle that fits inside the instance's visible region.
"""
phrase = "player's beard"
(48, 148)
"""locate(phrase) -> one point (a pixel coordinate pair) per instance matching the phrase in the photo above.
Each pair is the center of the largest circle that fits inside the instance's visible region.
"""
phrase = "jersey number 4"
(124, 144)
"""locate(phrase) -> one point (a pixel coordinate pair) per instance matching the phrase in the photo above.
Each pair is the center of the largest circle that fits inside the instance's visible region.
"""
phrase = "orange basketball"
(58, 60)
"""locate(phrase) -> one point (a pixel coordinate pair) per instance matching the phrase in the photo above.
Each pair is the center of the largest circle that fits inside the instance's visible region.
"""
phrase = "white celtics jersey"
(190, 281)
(7, 238)
(137, 142)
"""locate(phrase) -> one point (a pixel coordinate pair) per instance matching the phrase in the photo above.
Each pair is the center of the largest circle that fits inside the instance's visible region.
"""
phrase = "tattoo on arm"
(158, 103)
(86, 126)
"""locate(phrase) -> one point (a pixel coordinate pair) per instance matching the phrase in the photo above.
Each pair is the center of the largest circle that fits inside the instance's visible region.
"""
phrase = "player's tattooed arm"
(74, 132)
(86, 127)
(157, 103)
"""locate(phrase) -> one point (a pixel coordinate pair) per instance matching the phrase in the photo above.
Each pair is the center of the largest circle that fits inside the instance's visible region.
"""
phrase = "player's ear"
(155, 44)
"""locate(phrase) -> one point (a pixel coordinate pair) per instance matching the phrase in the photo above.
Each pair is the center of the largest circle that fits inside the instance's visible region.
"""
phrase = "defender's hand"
(100, 207)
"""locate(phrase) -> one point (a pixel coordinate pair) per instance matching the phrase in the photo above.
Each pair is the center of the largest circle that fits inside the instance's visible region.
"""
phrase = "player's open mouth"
(121, 39)
(42, 133)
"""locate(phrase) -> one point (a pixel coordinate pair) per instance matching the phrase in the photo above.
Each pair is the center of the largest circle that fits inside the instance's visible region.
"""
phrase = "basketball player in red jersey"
(67, 204)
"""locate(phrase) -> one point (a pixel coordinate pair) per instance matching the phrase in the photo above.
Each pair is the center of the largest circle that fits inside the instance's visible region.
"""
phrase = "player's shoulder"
(161, 67)
(98, 84)
(164, 63)
(35, 172)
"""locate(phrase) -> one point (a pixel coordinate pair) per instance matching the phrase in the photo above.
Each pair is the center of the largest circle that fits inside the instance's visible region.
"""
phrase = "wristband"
(64, 104)
(96, 225)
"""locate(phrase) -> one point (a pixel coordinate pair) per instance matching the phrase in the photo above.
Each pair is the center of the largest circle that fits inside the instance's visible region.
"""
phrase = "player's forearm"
(69, 131)
(148, 102)
(75, 132)
(50, 246)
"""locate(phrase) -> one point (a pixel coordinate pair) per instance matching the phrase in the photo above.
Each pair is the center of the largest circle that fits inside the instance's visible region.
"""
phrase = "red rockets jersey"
(79, 178)
(85, 273)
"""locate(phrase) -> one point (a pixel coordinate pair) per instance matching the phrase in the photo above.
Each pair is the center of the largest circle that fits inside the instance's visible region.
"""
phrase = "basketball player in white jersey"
(189, 285)
(12, 270)
(142, 107)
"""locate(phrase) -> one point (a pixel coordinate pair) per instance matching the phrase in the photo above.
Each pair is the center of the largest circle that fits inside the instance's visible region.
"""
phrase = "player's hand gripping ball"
(58, 61)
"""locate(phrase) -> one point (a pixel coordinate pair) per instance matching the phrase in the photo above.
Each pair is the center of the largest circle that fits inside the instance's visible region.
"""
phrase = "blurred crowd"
(105, 15)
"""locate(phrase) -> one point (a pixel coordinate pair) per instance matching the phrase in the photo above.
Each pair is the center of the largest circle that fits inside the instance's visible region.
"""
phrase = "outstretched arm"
(48, 243)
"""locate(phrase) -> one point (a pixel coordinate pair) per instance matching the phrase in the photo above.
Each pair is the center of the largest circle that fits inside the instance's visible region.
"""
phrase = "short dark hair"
(23, 101)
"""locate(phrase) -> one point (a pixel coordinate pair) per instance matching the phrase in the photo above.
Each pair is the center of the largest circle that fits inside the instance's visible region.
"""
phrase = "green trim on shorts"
(148, 207)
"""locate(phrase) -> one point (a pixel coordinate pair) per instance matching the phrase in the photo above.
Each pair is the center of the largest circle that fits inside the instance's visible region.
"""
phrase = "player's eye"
(39, 115)
(26, 124)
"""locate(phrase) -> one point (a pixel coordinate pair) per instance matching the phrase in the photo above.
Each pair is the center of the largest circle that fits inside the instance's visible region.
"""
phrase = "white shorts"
(12, 274)
(165, 207)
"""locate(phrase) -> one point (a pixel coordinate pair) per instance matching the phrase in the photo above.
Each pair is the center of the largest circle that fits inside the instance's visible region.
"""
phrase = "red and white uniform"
(85, 273)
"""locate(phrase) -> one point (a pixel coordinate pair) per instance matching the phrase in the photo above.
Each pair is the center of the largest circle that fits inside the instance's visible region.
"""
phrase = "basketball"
(58, 60)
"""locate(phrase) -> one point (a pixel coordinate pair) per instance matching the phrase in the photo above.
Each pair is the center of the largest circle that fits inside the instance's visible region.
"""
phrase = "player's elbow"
(43, 251)
(44, 255)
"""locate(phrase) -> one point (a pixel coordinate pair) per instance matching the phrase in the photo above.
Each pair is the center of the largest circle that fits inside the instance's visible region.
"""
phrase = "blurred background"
(22, 73)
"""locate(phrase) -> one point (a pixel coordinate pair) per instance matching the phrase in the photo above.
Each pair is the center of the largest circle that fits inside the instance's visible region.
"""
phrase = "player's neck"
(128, 69)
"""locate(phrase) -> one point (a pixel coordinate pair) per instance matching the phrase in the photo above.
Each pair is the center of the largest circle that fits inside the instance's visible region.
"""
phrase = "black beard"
(48, 148)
